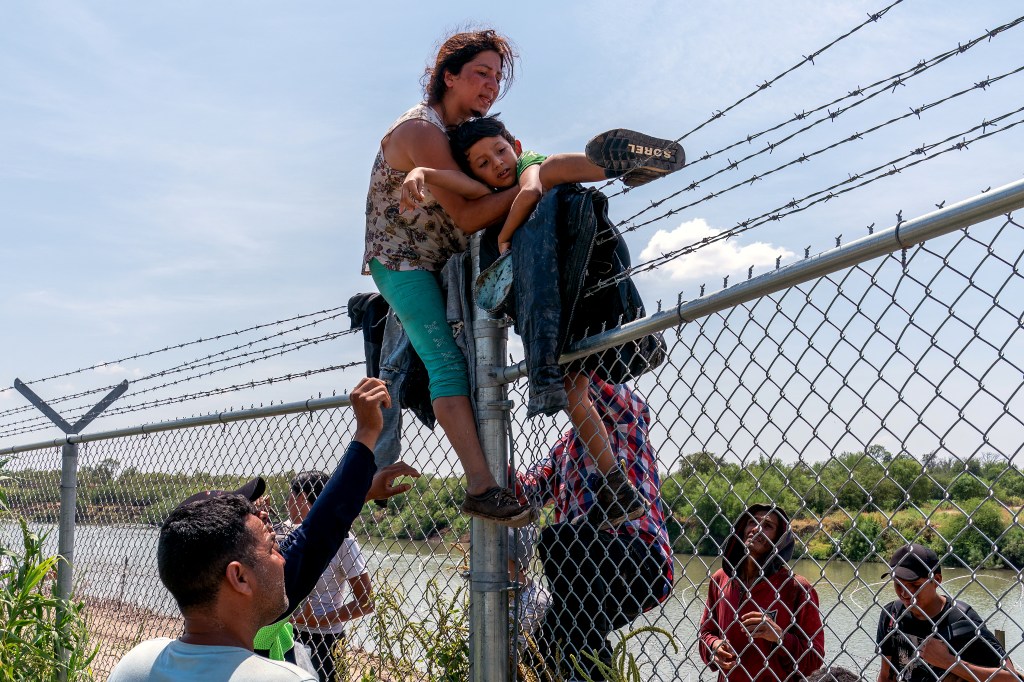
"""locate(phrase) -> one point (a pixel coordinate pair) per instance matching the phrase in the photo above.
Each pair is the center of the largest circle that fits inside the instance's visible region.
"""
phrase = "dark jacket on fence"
(399, 365)
(558, 256)
(788, 598)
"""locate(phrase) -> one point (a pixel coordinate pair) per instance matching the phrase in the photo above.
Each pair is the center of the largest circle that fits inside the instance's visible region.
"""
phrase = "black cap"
(914, 562)
(252, 491)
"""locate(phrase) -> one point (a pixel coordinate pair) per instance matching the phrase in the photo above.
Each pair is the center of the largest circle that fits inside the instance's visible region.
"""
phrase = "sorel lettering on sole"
(635, 157)
(650, 151)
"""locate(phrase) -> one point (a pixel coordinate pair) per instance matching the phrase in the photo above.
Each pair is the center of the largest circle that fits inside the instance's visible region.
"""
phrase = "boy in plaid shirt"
(601, 578)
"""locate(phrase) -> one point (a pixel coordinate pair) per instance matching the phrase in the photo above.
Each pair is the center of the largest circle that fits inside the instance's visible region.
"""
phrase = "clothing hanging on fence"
(399, 365)
(569, 233)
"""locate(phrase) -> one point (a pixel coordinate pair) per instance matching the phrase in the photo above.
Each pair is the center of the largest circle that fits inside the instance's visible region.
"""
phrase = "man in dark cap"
(761, 622)
(925, 636)
(219, 558)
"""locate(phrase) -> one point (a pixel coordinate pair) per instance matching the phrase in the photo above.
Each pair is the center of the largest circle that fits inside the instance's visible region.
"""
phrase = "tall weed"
(36, 624)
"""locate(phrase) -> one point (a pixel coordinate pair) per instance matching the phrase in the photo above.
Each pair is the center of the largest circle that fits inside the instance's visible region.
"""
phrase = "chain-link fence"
(876, 404)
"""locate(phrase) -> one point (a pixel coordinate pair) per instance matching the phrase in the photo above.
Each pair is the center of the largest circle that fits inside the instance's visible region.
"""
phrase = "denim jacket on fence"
(401, 368)
(569, 234)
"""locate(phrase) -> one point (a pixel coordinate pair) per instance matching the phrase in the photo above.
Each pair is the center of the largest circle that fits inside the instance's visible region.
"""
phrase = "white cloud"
(725, 257)
(111, 369)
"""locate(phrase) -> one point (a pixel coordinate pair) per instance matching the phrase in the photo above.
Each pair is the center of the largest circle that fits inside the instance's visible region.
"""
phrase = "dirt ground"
(116, 628)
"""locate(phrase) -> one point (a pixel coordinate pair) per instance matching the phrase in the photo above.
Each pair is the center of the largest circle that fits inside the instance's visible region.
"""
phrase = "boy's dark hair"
(460, 48)
(468, 133)
(309, 484)
(198, 541)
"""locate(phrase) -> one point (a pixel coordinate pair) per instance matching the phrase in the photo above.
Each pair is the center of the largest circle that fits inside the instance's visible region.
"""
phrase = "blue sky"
(177, 170)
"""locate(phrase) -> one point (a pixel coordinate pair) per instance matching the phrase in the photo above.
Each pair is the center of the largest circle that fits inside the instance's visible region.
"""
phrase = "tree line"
(857, 505)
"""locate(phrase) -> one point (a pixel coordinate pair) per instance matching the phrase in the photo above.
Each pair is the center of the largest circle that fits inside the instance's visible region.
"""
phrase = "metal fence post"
(68, 494)
(488, 600)
(66, 533)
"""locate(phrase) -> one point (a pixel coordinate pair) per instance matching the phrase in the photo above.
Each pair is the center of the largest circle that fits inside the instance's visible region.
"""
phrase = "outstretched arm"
(530, 192)
(885, 672)
(419, 143)
(935, 652)
(451, 180)
(359, 605)
(558, 169)
(309, 549)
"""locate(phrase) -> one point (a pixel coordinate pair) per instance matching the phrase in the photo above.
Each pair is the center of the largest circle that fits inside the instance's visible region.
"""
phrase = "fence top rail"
(312, 405)
(903, 235)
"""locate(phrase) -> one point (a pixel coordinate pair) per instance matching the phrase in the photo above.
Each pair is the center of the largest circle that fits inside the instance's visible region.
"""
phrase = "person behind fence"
(343, 592)
(220, 560)
(761, 621)
(405, 252)
(924, 636)
(532, 598)
(601, 576)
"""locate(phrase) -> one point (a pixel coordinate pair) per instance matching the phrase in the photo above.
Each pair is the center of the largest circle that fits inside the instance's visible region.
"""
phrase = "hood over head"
(736, 550)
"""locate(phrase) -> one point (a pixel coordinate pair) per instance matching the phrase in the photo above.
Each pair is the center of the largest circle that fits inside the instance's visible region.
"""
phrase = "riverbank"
(115, 627)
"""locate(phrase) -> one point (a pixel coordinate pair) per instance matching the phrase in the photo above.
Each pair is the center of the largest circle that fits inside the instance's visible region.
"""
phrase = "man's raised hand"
(368, 397)
(383, 485)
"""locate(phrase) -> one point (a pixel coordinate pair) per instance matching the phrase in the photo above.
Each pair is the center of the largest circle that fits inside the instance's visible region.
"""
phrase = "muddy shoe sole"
(639, 157)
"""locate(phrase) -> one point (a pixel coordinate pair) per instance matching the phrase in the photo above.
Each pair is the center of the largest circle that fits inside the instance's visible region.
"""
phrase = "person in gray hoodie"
(761, 622)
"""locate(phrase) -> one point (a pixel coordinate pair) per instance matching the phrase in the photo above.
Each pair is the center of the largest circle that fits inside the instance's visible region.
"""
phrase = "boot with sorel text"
(635, 157)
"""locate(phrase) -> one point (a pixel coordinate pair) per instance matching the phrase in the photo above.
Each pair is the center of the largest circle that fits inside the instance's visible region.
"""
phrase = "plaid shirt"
(568, 476)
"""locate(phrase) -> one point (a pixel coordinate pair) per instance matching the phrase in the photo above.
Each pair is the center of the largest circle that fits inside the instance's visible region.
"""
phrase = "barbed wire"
(188, 364)
(804, 157)
(865, 94)
(338, 310)
(825, 194)
(125, 409)
(266, 354)
(806, 59)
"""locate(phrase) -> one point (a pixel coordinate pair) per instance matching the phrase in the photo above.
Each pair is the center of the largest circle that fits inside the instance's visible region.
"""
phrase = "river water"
(119, 562)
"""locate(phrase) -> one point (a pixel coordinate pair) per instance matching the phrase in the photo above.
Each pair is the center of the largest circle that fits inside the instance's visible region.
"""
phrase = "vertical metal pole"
(488, 599)
(66, 533)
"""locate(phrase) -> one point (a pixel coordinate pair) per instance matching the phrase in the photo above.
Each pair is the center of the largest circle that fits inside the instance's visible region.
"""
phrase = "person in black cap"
(252, 491)
(219, 558)
(924, 636)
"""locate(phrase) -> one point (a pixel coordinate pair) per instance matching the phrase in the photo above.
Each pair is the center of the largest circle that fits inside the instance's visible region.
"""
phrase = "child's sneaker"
(635, 157)
(501, 506)
(618, 501)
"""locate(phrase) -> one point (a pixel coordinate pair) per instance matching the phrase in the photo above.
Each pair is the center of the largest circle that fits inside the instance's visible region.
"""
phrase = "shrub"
(821, 549)
(1012, 547)
(410, 647)
(972, 539)
(859, 537)
(967, 486)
